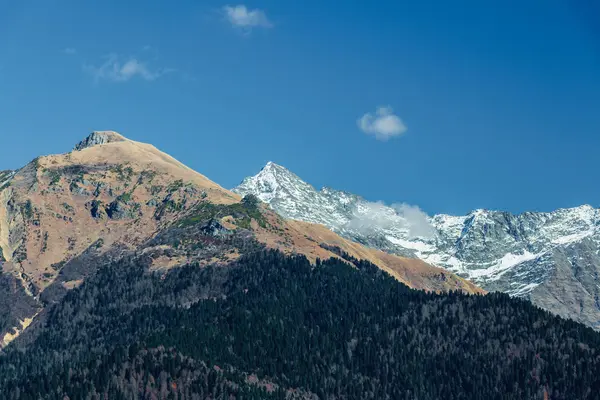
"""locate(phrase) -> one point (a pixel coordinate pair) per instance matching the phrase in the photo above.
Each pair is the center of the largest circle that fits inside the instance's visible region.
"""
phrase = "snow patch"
(523, 290)
(572, 238)
(507, 262)
(414, 245)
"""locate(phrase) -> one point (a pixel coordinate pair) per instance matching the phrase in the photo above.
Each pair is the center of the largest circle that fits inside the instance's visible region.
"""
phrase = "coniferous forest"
(275, 326)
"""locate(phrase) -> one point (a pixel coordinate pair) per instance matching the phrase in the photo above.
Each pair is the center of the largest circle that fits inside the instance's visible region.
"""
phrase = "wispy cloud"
(384, 124)
(70, 51)
(372, 217)
(246, 19)
(118, 69)
(416, 219)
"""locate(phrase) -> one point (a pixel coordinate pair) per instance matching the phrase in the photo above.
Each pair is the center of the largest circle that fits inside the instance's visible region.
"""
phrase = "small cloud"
(70, 51)
(416, 219)
(118, 70)
(241, 17)
(371, 218)
(384, 124)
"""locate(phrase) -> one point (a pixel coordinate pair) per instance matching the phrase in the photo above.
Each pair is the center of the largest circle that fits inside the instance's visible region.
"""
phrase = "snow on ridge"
(419, 246)
(508, 261)
(523, 289)
(576, 237)
(446, 261)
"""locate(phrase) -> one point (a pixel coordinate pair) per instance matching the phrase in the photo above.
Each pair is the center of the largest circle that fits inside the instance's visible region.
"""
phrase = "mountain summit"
(550, 258)
(293, 198)
(99, 137)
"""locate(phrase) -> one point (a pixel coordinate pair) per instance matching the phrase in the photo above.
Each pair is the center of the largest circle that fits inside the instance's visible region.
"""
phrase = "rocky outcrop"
(97, 138)
(5, 177)
(213, 228)
(12, 225)
(119, 209)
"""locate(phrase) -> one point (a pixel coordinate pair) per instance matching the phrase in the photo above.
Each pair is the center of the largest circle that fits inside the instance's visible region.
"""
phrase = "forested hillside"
(275, 326)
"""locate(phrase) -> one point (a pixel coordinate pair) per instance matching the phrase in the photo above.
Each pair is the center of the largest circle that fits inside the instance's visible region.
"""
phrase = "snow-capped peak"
(514, 253)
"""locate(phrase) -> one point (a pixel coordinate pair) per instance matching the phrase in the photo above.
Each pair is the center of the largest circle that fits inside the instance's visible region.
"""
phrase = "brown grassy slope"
(46, 212)
(306, 238)
(142, 156)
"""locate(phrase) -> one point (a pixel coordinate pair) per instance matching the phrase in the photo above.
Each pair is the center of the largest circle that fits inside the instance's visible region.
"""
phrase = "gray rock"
(96, 209)
(118, 209)
(5, 177)
(213, 228)
(78, 190)
(97, 138)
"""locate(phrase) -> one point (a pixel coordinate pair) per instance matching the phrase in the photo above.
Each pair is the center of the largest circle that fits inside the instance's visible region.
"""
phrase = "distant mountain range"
(551, 258)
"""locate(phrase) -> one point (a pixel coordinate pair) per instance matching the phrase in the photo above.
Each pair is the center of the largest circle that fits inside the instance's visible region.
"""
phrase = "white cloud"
(416, 220)
(70, 51)
(384, 124)
(119, 70)
(241, 17)
(372, 216)
(369, 218)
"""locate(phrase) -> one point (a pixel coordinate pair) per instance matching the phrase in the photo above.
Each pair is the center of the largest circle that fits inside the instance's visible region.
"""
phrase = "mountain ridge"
(533, 254)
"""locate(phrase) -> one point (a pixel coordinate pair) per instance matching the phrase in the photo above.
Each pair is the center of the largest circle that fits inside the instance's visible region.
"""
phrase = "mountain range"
(61, 216)
(127, 275)
(550, 258)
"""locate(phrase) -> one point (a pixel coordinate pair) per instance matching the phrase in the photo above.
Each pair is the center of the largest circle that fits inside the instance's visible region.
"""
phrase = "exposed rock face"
(5, 177)
(550, 258)
(97, 138)
(12, 225)
(213, 228)
(63, 216)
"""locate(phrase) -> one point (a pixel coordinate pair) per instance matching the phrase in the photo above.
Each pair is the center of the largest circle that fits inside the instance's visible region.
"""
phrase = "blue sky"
(447, 105)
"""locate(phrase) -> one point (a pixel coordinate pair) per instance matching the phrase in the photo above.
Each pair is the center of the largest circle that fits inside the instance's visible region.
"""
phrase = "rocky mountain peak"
(274, 181)
(275, 170)
(540, 255)
(99, 137)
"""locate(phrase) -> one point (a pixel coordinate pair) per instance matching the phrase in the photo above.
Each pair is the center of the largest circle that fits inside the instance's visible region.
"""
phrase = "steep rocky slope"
(62, 216)
(550, 258)
(5, 177)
